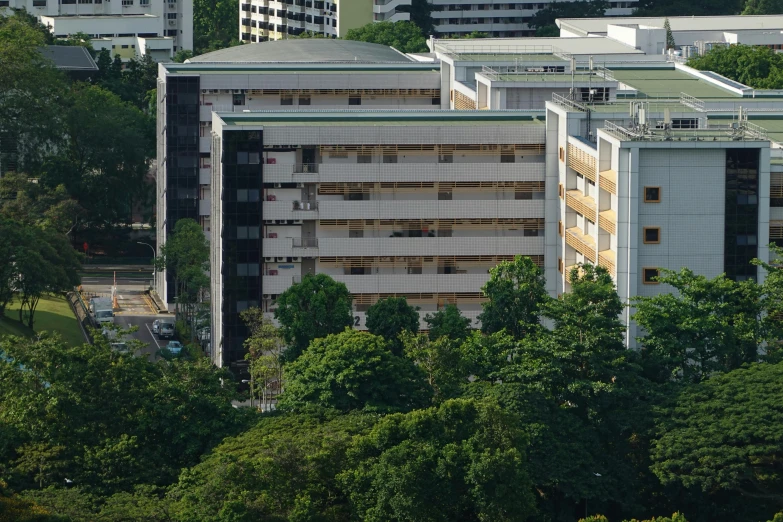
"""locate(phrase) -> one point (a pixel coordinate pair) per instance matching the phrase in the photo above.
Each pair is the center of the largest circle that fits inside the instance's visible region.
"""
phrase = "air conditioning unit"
(267, 296)
(269, 259)
(278, 185)
(272, 272)
(296, 259)
(279, 259)
(298, 222)
(272, 235)
(271, 197)
(172, 22)
(226, 91)
(239, 91)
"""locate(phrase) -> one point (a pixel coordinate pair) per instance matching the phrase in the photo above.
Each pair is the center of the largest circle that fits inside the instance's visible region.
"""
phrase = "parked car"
(174, 347)
(156, 326)
(166, 330)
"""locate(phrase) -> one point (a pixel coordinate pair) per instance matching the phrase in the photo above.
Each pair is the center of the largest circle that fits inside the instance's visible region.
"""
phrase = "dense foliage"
(755, 66)
(547, 418)
(403, 36)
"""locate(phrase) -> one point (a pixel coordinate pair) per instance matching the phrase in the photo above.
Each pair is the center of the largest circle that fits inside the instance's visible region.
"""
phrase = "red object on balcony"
(271, 197)
(273, 235)
(273, 272)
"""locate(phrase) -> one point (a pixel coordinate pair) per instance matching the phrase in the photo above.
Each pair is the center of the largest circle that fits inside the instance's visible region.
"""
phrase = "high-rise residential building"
(129, 28)
(262, 20)
(419, 204)
(499, 18)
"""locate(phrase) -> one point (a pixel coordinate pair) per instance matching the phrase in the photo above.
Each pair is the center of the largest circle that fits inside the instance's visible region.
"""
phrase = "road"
(135, 309)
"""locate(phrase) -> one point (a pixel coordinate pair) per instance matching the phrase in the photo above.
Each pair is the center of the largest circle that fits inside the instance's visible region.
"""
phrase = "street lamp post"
(154, 256)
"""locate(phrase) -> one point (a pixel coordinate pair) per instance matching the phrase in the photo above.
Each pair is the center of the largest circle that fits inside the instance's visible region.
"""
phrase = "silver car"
(166, 330)
(156, 326)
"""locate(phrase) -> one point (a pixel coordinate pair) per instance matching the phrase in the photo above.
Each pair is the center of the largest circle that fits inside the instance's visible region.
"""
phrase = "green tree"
(264, 355)
(515, 293)
(284, 468)
(314, 308)
(763, 7)
(186, 255)
(448, 322)
(146, 503)
(708, 326)
(106, 420)
(46, 264)
(724, 435)
(403, 36)
(544, 19)
(464, 460)
(670, 44)
(353, 371)
(439, 359)
(390, 317)
(182, 55)
(64, 504)
(34, 204)
(215, 25)
(753, 65)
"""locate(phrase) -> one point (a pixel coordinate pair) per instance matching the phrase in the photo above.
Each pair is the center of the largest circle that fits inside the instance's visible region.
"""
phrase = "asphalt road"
(144, 332)
(108, 280)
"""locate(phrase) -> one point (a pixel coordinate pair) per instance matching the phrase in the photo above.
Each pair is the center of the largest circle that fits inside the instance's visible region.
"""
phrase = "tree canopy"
(390, 317)
(353, 371)
(314, 308)
(404, 36)
(756, 66)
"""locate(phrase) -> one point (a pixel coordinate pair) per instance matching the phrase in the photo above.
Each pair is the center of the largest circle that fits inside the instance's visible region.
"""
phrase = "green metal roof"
(282, 68)
(772, 124)
(669, 83)
(381, 117)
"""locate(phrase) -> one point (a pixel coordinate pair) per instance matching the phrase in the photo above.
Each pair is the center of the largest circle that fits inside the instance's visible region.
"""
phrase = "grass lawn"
(53, 314)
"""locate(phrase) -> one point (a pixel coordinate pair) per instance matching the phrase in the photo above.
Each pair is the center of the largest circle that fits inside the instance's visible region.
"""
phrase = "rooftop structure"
(305, 51)
(262, 20)
(74, 60)
(692, 34)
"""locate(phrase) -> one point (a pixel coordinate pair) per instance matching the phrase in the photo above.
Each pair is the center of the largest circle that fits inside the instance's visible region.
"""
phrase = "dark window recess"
(650, 275)
(523, 195)
(304, 100)
(508, 158)
(286, 99)
(652, 194)
(354, 100)
(239, 99)
(742, 213)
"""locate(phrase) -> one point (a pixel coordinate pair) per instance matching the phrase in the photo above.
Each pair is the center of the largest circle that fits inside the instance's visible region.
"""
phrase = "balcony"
(407, 246)
(582, 204)
(583, 244)
(608, 181)
(607, 259)
(570, 269)
(607, 220)
(305, 168)
(205, 207)
(582, 162)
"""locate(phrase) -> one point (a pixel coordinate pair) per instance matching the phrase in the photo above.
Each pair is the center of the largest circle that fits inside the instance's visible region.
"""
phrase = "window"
(560, 228)
(652, 194)
(286, 99)
(124, 46)
(444, 196)
(445, 232)
(561, 191)
(747, 199)
(39, 3)
(436, 100)
(304, 100)
(239, 99)
(446, 158)
(171, 16)
(685, 123)
(652, 235)
(414, 270)
(508, 158)
(141, 2)
(354, 100)
(560, 264)
(390, 158)
(126, 3)
(523, 195)
(650, 276)
(364, 158)
(747, 239)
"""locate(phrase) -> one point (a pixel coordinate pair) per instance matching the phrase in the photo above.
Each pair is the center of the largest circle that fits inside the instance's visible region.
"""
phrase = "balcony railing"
(584, 205)
(608, 181)
(606, 259)
(607, 220)
(582, 162)
(583, 244)
(306, 168)
(305, 242)
(305, 205)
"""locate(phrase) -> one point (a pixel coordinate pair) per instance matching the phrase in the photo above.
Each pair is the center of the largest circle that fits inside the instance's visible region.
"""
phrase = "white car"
(156, 326)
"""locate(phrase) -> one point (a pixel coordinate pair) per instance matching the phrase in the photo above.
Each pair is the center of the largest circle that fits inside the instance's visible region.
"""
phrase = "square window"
(652, 194)
(650, 276)
(286, 99)
(652, 235)
(304, 100)
(239, 99)
(364, 158)
(561, 190)
(354, 100)
(523, 195)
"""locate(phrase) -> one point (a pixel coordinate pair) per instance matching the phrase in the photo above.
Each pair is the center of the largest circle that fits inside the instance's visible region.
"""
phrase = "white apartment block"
(499, 18)
(130, 28)
(408, 203)
(262, 20)
(336, 157)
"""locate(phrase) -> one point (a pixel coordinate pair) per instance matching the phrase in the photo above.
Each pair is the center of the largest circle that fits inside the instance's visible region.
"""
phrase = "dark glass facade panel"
(242, 254)
(742, 212)
(182, 155)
